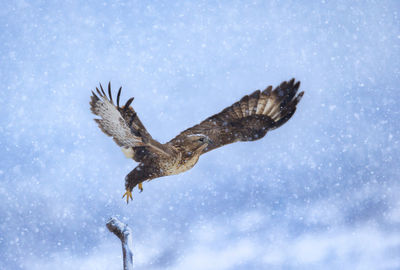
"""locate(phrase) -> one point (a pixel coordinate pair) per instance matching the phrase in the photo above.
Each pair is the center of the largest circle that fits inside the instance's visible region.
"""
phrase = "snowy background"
(321, 192)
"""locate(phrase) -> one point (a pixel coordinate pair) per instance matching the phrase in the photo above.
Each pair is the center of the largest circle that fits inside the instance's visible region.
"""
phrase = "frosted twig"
(124, 233)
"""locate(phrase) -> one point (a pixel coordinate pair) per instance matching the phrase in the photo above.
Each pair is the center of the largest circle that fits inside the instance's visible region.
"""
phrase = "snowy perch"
(124, 233)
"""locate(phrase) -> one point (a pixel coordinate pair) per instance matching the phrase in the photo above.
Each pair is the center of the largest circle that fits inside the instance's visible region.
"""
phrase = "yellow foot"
(128, 195)
(140, 187)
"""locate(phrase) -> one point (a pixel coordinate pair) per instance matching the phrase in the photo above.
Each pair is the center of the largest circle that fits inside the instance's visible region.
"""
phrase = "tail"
(279, 104)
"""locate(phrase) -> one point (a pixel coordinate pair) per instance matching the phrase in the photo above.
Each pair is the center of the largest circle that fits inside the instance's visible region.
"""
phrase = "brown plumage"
(246, 120)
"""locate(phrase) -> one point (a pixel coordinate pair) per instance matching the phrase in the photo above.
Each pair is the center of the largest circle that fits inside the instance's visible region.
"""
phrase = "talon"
(140, 187)
(128, 195)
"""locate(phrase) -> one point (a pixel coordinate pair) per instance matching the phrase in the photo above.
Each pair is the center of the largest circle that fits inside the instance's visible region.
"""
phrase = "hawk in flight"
(246, 120)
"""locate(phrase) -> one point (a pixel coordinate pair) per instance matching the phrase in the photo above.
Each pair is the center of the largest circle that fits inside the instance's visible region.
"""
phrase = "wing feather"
(236, 108)
(250, 118)
(244, 105)
(112, 122)
(109, 92)
(229, 113)
(123, 124)
(254, 97)
(118, 95)
(262, 101)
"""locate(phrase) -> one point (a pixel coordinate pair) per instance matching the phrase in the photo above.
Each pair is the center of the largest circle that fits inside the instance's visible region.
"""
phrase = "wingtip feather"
(109, 92)
(128, 103)
(98, 92)
(118, 95)
(102, 90)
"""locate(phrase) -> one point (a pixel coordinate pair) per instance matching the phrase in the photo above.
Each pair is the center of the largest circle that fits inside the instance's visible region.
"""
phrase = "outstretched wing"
(250, 118)
(122, 123)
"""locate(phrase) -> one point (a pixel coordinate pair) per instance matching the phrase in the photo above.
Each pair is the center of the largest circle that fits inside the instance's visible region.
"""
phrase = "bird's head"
(197, 142)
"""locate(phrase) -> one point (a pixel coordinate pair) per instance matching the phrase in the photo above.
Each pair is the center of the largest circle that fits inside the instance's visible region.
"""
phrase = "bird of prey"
(246, 120)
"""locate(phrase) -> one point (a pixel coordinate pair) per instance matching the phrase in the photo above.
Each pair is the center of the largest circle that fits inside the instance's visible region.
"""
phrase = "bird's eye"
(201, 139)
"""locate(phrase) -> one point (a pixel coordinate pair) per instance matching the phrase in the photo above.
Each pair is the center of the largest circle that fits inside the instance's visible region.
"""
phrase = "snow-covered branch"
(124, 233)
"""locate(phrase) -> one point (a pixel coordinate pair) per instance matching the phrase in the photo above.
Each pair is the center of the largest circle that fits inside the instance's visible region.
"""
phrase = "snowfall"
(320, 192)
